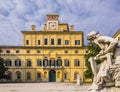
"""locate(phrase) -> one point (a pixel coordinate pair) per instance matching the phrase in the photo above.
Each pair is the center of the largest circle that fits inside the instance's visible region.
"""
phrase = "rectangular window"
(38, 42)
(66, 62)
(77, 42)
(8, 63)
(38, 51)
(66, 51)
(59, 41)
(29, 63)
(38, 75)
(45, 41)
(76, 62)
(65, 75)
(7, 51)
(66, 42)
(39, 62)
(17, 63)
(17, 51)
(27, 42)
(28, 51)
(28, 76)
(76, 51)
(52, 41)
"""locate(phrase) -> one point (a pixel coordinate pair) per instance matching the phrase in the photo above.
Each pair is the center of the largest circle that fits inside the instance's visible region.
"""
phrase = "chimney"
(32, 27)
(71, 27)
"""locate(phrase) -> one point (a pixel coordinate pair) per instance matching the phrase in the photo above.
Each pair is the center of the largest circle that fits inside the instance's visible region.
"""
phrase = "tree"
(3, 68)
(93, 50)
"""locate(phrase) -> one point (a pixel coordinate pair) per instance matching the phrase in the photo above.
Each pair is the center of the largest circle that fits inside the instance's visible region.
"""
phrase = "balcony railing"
(52, 67)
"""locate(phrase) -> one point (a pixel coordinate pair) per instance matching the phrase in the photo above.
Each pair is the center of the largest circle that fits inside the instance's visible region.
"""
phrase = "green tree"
(3, 68)
(93, 50)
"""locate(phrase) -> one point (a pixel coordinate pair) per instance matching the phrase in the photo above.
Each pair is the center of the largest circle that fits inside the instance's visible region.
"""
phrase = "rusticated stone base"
(110, 89)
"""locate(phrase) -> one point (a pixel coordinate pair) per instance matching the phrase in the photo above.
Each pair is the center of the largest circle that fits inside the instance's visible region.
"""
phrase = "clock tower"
(52, 22)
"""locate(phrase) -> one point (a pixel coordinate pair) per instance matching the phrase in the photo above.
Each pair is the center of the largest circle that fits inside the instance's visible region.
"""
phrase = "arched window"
(45, 62)
(9, 75)
(59, 62)
(52, 62)
(38, 75)
(39, 62)
(18, 75)
(76, 75)
(8, 63)
(66, 75)
(28, 75)
(17, 62)
(29, 62)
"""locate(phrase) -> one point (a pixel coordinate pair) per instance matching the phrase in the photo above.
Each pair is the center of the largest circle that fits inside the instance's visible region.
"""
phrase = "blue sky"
(86, 15)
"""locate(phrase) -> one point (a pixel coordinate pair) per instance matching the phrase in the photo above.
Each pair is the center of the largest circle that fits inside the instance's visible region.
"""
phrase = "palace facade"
(54, 54)
(117, 35)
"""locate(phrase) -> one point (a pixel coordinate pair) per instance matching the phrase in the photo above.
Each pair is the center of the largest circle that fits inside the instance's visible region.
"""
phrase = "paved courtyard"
(42, 87)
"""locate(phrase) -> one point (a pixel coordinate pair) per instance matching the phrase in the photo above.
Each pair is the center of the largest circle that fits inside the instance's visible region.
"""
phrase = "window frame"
(40, 75)
(66, 42)
(17, 62)
(59, 41)
(45, 41)
(52, 41)
(66, 63)
(27, 42)
(29, 63)
(39, 62)
(38, 42)
(77, 42)
(66, 75)
(7, 51)
(76, 62)
(28, 76)
(8, 62)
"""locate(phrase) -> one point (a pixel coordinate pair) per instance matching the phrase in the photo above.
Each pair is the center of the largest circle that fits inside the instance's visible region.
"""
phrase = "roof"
(118, 32)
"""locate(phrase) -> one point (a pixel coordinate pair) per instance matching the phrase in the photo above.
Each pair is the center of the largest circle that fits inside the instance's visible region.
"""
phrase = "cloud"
(86, 15)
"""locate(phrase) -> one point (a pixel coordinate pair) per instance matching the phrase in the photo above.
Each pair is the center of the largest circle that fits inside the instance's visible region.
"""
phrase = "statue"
(107, 73)
(79, 80)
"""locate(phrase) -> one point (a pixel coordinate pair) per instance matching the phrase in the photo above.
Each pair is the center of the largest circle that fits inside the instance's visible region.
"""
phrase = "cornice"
(116, 34)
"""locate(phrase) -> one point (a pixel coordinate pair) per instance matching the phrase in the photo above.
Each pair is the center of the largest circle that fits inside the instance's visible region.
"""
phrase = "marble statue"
(79, 80)
(107, 73)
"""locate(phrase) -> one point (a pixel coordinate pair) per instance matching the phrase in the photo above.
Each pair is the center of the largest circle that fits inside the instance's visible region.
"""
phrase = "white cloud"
(86, 15)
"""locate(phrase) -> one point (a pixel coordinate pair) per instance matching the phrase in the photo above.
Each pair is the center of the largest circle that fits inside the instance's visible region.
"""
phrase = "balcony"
(52, 67)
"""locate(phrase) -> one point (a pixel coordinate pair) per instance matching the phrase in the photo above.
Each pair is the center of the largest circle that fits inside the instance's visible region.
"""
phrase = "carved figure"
(109, 57)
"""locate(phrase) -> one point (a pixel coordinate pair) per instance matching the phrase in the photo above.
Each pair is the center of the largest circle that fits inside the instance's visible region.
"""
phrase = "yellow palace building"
(54, 54)
(117, 35)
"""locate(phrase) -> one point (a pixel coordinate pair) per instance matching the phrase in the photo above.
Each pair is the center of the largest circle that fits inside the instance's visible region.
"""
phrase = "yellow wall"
(45, 52)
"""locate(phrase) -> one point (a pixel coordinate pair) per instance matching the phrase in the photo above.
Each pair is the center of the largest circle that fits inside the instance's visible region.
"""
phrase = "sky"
(85, 15)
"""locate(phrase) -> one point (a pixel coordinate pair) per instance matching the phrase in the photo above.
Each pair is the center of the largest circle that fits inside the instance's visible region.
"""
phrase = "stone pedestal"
(109, 89)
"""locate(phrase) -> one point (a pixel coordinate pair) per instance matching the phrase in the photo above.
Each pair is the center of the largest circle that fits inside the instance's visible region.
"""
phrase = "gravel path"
(43, 87)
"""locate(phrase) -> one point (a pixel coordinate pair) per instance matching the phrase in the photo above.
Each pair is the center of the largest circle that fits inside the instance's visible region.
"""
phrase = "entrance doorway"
(52, 76)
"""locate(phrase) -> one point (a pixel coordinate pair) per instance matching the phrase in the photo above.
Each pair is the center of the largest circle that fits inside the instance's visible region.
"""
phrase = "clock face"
(52, 25)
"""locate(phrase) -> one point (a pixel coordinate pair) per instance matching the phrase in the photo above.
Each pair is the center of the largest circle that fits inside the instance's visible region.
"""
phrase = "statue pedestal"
(111, 89)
